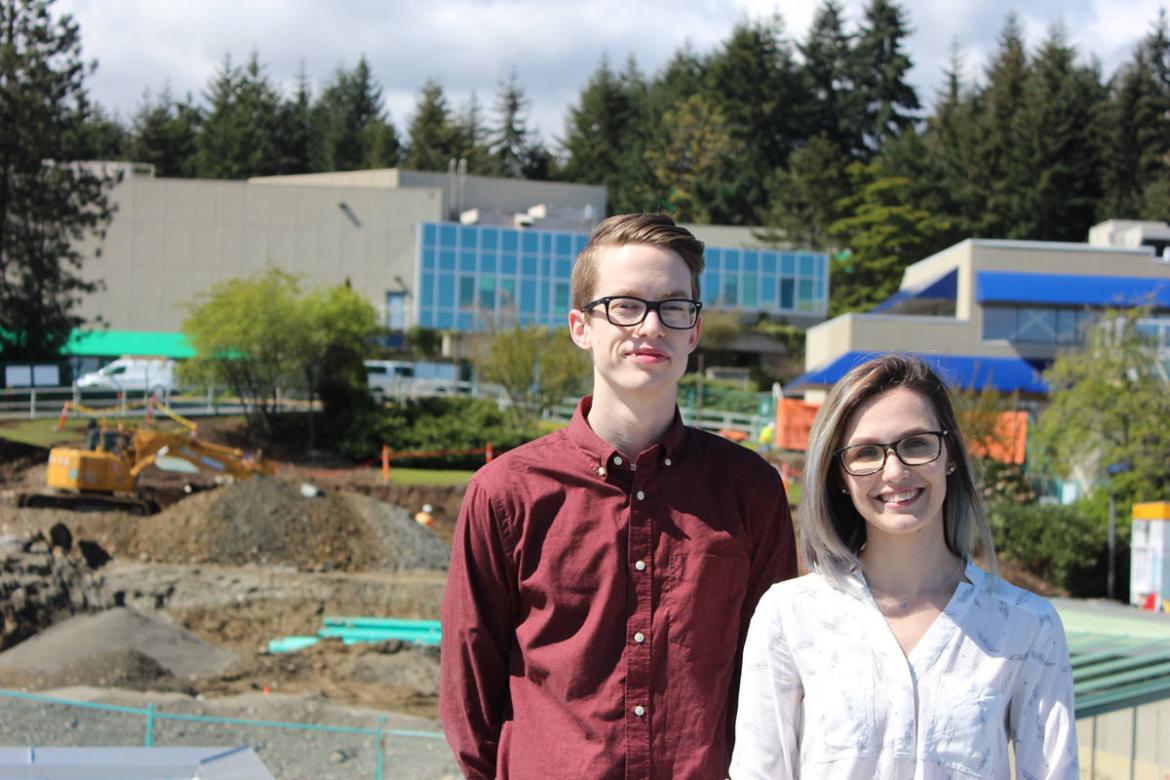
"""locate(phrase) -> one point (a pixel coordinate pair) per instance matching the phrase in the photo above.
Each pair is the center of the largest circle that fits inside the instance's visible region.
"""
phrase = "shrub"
(1067, 546)
(433, 424)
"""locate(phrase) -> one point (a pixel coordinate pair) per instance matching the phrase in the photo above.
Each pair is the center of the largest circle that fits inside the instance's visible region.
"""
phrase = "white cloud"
(553, 45)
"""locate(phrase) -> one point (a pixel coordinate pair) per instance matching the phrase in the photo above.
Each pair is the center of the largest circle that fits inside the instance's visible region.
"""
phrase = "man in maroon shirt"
(602, 577)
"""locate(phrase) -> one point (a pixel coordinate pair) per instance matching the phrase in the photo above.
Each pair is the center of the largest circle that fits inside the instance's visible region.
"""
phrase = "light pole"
(1113, 469)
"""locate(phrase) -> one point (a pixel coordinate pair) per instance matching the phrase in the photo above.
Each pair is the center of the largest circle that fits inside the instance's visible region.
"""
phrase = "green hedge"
(1067, 546)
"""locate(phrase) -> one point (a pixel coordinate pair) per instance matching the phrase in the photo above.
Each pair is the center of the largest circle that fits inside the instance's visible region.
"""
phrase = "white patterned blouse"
(828, 694)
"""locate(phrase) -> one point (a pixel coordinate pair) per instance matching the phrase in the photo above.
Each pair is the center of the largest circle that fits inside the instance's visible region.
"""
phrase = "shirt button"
(639, 637)
(667, 461)
(641, 495)
(639, 710)
(601, 471)
(640, 565)
(617, 460)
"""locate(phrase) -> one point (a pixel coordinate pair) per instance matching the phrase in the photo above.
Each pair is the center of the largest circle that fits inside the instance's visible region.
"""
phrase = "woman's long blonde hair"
(832, 530)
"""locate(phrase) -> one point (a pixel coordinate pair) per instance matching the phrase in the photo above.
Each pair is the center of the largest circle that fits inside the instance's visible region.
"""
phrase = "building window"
(1037, 324)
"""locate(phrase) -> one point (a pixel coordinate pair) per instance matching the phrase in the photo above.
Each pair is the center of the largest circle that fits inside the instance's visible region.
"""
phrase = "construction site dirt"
(231, 567)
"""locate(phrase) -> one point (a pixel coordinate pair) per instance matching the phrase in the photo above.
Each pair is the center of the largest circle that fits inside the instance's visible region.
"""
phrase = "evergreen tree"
(240, 131)
(804, 196)
(601, 128)
(48, 204)
(352, 131)
(678, 82)
(951, 140)
(834, 105)
(1002, 166)
(753, 82)
(885, 232)
(98, 136)
(471, 137)
(1059, 133)
(433, 142)
(698, 152)
(889, 104)
(166, 135)
(295, 138)
(514, 153)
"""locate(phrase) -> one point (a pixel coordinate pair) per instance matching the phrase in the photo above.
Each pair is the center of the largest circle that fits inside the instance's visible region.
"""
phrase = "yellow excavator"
(104, 475)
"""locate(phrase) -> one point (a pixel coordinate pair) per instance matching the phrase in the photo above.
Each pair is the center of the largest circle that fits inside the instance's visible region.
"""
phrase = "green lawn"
(404, 476)
(42, 432)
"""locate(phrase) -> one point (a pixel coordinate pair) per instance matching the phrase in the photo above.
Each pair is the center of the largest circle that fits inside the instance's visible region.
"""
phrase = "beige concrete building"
(998, 312)
(173, 239)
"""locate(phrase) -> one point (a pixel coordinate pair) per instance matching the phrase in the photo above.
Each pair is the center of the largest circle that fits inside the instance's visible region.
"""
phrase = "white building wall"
(172, 239)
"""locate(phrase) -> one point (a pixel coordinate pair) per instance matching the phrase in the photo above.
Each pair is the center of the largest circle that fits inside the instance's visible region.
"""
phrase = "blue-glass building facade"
(470, 276)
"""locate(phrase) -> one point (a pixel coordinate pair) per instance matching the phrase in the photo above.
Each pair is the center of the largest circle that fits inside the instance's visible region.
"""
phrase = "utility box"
(1149, 577)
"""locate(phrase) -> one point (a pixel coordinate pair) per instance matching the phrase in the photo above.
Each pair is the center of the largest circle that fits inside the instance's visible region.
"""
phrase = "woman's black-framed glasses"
(628, 310)
(917, 449)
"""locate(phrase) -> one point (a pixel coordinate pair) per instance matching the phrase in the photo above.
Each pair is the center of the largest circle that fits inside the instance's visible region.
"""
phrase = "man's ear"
(693, 338)
(579, 329)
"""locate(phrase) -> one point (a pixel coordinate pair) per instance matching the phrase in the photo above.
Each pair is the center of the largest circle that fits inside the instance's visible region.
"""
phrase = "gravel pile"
(288, 754)
(78, 648)
(269, 522)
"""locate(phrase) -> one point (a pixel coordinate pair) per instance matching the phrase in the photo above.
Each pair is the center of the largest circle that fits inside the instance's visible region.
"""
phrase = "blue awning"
(1072, 290)
(1005, 374)
(946, 287)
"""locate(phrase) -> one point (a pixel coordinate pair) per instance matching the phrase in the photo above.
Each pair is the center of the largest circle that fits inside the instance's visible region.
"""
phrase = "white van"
(399, 378)
(153, 376)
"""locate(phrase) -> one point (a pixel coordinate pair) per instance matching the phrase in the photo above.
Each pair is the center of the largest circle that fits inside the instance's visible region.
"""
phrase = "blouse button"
(640, 711)
(667, 461)
(639, 637)
(617, 460)
(640, 565)
(601, 471)
(641, 495)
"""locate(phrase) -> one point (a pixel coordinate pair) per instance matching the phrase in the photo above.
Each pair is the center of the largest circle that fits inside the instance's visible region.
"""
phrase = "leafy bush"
(434, 424)
(1067, 546)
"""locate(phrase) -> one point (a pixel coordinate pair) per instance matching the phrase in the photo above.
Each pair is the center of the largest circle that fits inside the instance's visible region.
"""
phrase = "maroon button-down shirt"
(596, 609)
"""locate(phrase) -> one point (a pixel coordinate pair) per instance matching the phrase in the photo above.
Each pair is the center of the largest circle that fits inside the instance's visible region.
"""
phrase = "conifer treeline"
(822, 140)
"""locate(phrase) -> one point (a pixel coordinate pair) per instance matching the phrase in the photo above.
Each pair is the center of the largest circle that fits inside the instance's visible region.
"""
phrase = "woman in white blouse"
(898, 657)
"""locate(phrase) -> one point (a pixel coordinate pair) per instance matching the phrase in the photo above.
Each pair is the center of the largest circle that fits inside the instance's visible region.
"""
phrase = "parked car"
(398, 378)
(153, 376)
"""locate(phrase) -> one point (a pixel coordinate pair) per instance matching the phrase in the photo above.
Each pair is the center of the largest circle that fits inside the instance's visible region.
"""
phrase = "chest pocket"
(838, 705)
(967, 726)
(708, 590)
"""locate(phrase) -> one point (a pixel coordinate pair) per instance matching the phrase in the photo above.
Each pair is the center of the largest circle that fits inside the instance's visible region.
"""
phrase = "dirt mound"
(80, 641)
(124, 668)
(269, 522)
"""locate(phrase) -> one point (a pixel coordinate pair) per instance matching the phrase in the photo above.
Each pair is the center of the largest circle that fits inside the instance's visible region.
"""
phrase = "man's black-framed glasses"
(628, 310)
(917, 449)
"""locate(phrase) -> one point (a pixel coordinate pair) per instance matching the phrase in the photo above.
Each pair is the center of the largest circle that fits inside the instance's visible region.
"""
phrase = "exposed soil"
(218, 573)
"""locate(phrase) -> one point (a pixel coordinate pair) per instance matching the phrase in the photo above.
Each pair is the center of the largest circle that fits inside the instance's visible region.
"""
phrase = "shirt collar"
(584, 437)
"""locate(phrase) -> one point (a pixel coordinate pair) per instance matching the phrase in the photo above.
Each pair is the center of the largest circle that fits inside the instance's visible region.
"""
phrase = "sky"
(553, 46)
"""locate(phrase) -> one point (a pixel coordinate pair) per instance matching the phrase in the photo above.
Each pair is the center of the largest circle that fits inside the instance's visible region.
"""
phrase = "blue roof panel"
(945, 287)
(1005, 374)
(1071, 289)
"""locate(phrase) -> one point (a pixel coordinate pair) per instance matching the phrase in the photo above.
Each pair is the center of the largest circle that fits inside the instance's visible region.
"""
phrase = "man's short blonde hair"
(621, 229)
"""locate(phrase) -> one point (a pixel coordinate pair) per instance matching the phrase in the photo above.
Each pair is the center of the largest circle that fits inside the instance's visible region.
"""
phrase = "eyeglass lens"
(675, 313)
(914, 450)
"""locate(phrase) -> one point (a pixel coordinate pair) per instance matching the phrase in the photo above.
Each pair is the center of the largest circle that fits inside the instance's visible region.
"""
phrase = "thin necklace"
(903, 602)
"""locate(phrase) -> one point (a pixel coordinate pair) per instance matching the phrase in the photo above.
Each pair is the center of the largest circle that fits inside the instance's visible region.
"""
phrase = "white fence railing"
(34, 403)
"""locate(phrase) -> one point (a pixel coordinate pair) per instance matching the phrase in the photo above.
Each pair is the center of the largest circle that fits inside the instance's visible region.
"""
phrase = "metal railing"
(154, 722)
(39, 402)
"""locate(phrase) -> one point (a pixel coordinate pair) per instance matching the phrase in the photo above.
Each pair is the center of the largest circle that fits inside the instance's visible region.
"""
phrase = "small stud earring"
(950, 471)
(845, 491)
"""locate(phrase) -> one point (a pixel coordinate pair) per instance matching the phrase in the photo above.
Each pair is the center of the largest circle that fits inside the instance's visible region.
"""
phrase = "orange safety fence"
(794, 420)
(1008, 443)
(389, 455)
